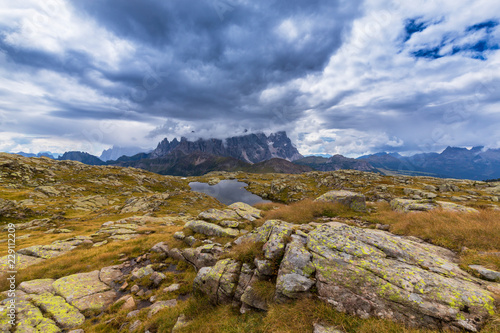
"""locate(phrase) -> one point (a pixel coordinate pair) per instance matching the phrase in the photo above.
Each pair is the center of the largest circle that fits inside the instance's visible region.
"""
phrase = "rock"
(295, 272)
(264, 267)
(229, 224)
(41, 251)
(134, 289)
(210, 229)
(65, 315)
(202, 256)
(485, 273)
(172, 287)
(49, 191)
(369, 272)
(243, 210)
(135, 325)
(218, 282)
(456, 208)
(180, 323)
(251, 298)
(79, 285)
(321, 328)
(77, 331)
(141, 272)
(96, 302)
(157, 278)
(111, 274)
(128, 303)
(179, 235)
(133, 314)
(161, 247)
(190, 240)
(22, 261)
(353, 200)
(158, 306)
(216, 215)
(406, 205)
(38, 287)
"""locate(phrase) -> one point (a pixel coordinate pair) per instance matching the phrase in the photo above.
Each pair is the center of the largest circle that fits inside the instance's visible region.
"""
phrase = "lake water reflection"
(228, 192)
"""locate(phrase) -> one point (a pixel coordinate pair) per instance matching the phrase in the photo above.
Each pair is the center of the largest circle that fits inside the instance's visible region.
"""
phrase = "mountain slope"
(334, 163)
(80, 156)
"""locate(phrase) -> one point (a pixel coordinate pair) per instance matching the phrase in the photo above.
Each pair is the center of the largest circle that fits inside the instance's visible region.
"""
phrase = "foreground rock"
(353, 200)
(363, 272)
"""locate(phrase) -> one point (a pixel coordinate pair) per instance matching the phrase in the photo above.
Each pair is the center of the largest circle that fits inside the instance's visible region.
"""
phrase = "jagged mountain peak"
(252, 148)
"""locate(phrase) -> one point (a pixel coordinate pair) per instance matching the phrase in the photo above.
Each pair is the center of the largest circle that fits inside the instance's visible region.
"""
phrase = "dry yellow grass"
(307, 210)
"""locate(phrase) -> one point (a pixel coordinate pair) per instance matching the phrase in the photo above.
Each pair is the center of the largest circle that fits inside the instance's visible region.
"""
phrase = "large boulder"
(353, 200)
(373, 273)
(210, 229)
(220, 281)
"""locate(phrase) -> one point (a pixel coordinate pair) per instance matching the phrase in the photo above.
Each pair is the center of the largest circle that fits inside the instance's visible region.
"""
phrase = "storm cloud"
(348, 77)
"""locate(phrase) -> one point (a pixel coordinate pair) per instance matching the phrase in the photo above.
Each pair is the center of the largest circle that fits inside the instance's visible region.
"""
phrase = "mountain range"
(260, 153)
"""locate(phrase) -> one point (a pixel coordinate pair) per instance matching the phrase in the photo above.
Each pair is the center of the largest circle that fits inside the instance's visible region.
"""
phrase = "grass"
(245, 252)
(307, 210)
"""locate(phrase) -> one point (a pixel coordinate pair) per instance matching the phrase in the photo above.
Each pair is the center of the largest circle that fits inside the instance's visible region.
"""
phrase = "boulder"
(407, 205)
(453, 207)
(368, 273)
(244, 210)
(111, 274)
(216, 215)
(218, 282)
(158, 306)
(96, 302)
(353, 200)
(210, 229)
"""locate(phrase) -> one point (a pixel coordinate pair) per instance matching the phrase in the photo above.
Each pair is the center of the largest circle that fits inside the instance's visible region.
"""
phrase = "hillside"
(113, 249)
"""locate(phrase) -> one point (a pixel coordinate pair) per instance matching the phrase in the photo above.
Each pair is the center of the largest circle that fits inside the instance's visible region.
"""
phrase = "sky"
(346, 77)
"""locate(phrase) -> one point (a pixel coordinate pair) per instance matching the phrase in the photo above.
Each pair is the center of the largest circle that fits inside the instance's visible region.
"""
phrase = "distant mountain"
(251, 148)
(335, 162)
(453, 162)
(278, 165)
(116, 152)
(83, 157)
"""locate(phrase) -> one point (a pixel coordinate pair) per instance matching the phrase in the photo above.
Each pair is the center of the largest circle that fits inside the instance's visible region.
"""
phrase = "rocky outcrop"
(210, 229)
(363, 272)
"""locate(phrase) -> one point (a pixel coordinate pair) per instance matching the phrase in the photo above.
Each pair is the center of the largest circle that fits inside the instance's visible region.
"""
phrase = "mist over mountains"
(260, 153)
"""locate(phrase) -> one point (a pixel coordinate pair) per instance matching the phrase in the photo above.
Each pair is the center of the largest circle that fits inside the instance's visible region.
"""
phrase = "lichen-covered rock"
(64, 314)
(453, 207)
(244, 210)
(373, 273)
(486, 273)
(22, 261)
(39, 286)
(76, 286)
(216, 215)
(210, 229)
(353, 200)
(158, 306)
(142, 272)
(407, 205)
(218, 282)
(111, 274)
(96, 302)
(295, 272)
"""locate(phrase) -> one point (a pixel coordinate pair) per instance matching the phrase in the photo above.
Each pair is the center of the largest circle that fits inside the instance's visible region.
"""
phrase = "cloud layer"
(339, 76)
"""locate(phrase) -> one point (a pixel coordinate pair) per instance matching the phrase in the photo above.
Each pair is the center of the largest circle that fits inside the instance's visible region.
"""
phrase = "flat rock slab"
(64, 314)
(110, 274)
(407, 205)
(80, 285)
(38, 287)
(97, 302)
(486, 273)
